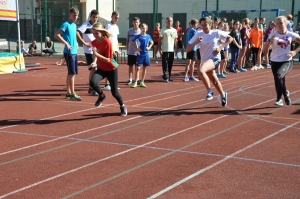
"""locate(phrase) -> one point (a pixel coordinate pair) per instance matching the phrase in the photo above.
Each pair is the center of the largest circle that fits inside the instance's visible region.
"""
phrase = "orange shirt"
(179, 31)
(256, 37)
(104, 48)
(156, 33)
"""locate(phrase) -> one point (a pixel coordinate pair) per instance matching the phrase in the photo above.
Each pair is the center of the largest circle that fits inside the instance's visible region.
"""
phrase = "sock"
(130, 79)
(209, 91)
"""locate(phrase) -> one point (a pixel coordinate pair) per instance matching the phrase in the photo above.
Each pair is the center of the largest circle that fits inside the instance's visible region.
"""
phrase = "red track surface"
(173, 143)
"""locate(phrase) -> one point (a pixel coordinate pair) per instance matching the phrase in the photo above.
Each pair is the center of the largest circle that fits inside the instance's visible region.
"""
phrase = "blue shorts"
(142, 60)
(216, 62)
(72, 64)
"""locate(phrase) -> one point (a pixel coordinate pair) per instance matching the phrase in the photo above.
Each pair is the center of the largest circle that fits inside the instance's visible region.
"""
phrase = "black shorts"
(222, 54)
(89, 59)
(155, 43)
(192, 55)
(179, 44)
(198, 54)
(131, 60)
(244, 44)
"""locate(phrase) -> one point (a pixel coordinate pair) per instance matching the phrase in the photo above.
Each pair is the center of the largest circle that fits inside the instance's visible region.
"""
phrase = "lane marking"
(111, 124)
(118, 154)
(219, 162)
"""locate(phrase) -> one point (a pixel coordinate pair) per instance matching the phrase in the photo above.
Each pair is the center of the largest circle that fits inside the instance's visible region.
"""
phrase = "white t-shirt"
(209, 43)
(87, 36)
(113, 29)
(281, 46)
(168, 36)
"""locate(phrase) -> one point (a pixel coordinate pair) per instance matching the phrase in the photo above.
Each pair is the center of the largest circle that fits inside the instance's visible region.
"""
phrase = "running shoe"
(124, 109)
(224, 99)
(92, 92)
(242, 70)
(68, 95)
(134, 85)
(226, 73)
(75, 97)
(222, 75)
(138, 82)
(269, 66)
(142, 84)
(260, 67)
(129, 82)
(210, 96)
(279, 102)
(107, 87)
(100, 99)
(287, 98)
(194, 79)
(156, 62)
(254, 68)
(186, 79)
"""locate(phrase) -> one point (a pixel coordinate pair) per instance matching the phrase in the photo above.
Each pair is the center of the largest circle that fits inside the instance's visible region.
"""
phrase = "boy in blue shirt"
(67, 35)
(145, 43)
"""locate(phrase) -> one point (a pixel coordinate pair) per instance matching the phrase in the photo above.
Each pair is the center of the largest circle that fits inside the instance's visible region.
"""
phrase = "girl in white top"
(280, 41)
(210, 56)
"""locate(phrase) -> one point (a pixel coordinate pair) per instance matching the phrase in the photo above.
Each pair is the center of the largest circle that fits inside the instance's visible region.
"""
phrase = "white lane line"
(165, 93)
(118, 154)
(219, 162)
(111, 124)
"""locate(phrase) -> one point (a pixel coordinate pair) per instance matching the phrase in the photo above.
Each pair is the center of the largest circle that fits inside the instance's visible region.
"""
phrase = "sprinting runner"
(281, 57)
(107, 66)
(210, 56)
(87, 37)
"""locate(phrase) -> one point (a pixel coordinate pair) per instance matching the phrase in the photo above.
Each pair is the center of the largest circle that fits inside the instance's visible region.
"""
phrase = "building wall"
(194, 8)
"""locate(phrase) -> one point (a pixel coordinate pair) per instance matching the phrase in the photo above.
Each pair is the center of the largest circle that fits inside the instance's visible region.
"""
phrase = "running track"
(173, 143)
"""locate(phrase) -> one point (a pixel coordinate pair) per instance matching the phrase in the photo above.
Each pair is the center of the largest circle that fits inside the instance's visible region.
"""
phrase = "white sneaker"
(254, 68)
(269, 66)
(108, 88)
(260, 67)
(279, 102)
(156, 62)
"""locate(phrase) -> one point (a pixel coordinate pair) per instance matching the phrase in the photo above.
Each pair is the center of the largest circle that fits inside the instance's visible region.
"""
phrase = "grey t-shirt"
(130, 35)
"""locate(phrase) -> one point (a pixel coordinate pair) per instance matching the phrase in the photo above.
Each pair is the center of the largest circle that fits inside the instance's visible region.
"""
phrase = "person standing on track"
(131, 53)
(167, 41)
(156, 38)
(68, 38)
(281, 57)
(107, 67)
(208, 40)
(87, 37)
(180, 44)
(113, 29)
